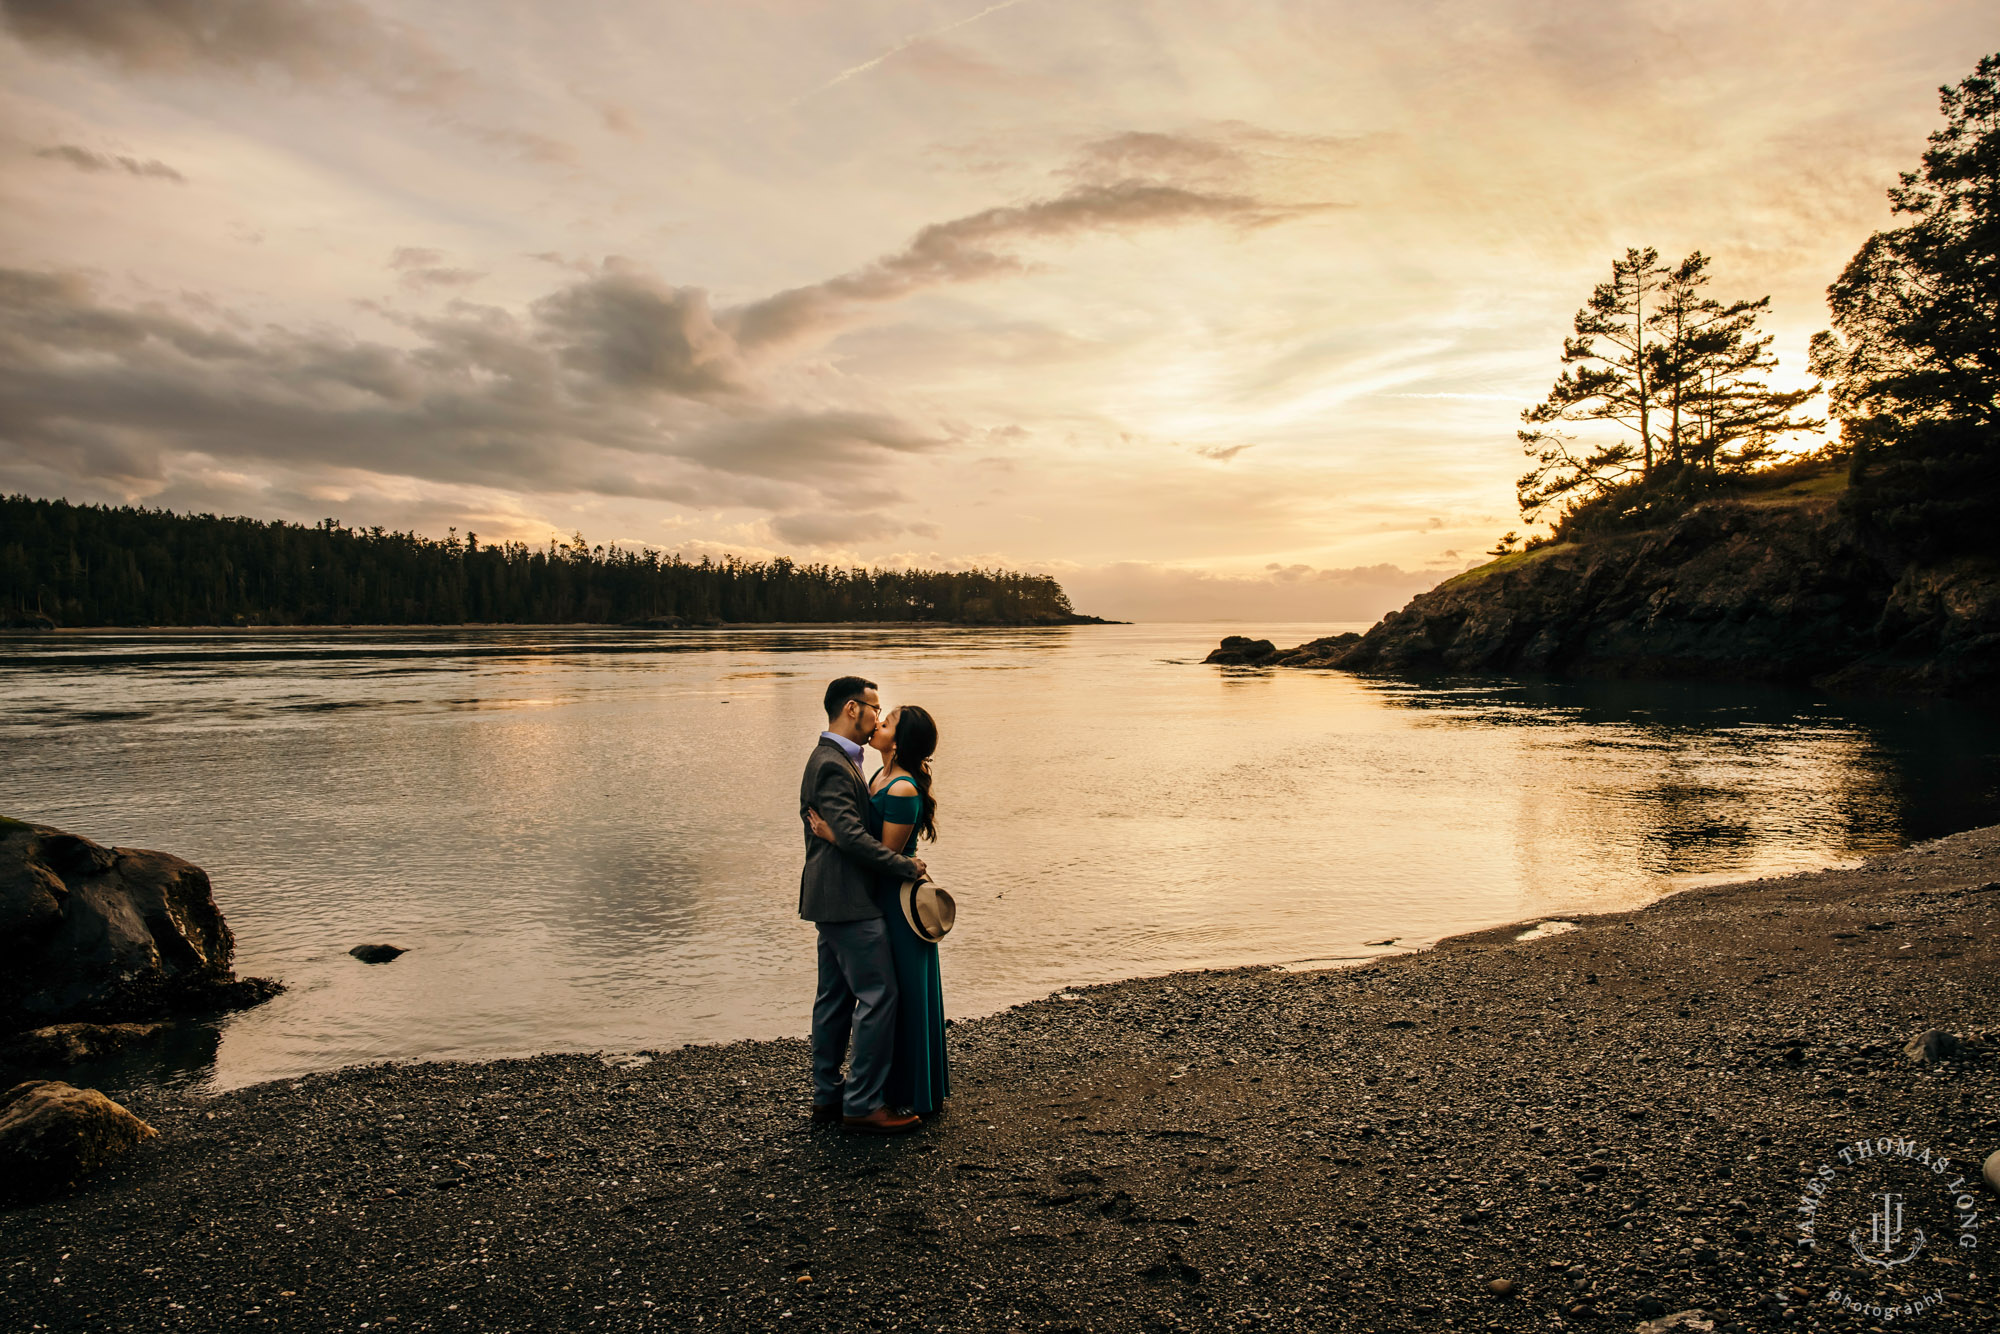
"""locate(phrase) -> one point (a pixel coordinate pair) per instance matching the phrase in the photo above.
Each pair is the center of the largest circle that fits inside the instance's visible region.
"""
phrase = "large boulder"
(52, 1136)
(108, 934)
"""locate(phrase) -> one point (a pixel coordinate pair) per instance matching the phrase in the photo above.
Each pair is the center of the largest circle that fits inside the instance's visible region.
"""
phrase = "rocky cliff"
(1771, 588)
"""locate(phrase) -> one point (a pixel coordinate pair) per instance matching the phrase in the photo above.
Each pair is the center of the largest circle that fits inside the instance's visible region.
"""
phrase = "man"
(844, 889)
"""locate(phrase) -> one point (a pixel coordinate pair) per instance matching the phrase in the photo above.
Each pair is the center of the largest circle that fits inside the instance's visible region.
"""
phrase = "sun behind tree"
(1679, 372)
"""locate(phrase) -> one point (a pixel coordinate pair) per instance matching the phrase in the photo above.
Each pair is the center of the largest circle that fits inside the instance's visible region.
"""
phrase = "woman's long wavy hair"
(916, 738)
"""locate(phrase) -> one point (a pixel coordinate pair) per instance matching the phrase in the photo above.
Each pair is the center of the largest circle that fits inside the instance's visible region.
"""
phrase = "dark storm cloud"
(85, 160)
(978, 246)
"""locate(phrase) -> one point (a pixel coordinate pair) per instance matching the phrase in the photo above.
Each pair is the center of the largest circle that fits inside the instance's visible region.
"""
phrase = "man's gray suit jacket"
(842, 880)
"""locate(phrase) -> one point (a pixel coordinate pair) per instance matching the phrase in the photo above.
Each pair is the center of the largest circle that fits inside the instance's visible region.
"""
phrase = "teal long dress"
(920, 1073)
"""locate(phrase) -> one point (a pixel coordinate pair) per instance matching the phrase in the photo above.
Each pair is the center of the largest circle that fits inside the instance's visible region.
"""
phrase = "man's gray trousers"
(857, 990)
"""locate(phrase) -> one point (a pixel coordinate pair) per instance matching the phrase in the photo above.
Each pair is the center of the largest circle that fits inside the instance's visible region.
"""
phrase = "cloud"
(1224, 155)
(320, 41)
(105, 396)
(1143, 591)
(914, 42)
(631, 330)
(309, 43)
(417, 267)
(1222, 453)
(837, 529)
(524, 144)
(808, 447)
(616, 383)
(616, 362)
(85, 160)
(979, 245)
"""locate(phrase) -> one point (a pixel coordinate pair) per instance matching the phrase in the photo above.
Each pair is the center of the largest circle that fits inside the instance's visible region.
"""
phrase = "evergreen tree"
(1914, 354)
(1681, 371)
(1709, 363)
(1599, 383)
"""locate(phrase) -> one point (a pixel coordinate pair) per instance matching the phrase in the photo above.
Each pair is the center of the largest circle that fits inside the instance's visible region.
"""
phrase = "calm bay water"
(588, 841)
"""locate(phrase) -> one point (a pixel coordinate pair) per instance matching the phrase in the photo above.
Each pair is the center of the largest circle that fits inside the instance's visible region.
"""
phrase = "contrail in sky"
(899, 47)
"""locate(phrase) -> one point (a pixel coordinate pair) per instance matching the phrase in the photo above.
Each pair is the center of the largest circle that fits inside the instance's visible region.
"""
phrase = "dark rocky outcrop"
(1752, 590)
(1239, 651)
(52, 1136)
(377, 953)
(90, 933)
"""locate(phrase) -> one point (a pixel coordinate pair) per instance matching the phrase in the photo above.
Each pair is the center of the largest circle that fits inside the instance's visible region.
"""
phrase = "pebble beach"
(1603, 1124)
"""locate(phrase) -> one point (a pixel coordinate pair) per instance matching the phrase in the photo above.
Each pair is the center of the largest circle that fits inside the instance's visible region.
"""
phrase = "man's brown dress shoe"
(881, 1121)
(825, 1113)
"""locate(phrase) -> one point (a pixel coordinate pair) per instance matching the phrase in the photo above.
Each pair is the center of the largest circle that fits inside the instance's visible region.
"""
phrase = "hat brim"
(906, 898)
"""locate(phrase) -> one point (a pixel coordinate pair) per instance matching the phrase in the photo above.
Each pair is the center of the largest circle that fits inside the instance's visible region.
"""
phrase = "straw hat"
(928, 909)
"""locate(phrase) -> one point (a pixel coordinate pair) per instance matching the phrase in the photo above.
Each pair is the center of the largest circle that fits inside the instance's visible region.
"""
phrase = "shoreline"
(553, 625)
(1613, 1118)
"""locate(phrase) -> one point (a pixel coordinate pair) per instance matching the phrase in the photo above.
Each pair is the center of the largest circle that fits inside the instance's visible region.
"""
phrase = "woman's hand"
(820, 827)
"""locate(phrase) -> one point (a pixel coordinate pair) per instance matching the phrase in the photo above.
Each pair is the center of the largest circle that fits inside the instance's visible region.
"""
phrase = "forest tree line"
(94, 565)
(1911, 369)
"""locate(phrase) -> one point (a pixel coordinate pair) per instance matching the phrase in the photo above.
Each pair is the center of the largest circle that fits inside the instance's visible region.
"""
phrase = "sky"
(1211, 311)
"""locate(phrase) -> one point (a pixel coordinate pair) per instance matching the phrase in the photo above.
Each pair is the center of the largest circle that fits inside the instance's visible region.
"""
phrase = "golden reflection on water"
(587, 838)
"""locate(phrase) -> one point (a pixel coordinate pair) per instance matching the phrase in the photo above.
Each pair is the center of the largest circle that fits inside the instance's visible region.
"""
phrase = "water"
(588, 841)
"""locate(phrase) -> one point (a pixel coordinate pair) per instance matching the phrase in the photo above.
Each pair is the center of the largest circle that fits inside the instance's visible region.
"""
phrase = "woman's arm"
(833, 798)
(896, 837)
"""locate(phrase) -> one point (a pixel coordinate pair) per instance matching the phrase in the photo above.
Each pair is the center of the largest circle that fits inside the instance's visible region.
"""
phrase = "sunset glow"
(1209, 311)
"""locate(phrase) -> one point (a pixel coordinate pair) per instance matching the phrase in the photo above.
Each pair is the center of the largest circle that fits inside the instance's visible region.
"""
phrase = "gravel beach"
(1587, 1128)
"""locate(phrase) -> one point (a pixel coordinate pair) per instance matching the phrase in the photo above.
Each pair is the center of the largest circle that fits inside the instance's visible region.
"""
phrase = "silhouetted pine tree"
(1676, 370)
(1914, 355)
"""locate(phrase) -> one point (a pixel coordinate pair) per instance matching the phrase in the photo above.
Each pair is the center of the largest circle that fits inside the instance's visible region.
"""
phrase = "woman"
(919, 1075)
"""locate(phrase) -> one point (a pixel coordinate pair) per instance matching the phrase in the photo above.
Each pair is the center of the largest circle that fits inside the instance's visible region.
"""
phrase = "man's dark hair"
(843, 689)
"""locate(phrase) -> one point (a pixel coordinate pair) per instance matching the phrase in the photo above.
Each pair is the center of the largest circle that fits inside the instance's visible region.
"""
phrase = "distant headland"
(72, 566)
(1777, 581)
(1684, 542)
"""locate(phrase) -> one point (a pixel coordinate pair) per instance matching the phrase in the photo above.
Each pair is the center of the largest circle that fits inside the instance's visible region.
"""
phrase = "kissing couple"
(878, 964)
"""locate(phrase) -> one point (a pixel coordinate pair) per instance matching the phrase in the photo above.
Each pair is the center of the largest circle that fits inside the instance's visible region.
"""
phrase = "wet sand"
(1609, 1122)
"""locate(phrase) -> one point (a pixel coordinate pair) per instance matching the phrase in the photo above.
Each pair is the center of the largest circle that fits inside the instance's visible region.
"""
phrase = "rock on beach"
(52, 1136)
(108, 934)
